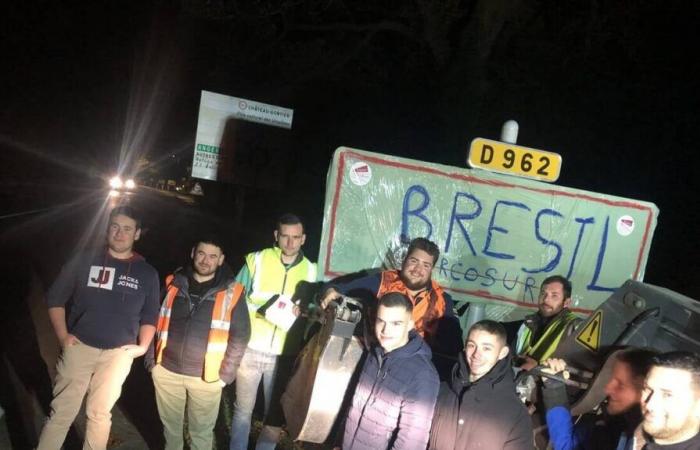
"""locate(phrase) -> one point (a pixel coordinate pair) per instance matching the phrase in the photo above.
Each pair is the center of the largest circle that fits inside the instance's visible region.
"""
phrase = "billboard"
(499, 236)
(217, 131)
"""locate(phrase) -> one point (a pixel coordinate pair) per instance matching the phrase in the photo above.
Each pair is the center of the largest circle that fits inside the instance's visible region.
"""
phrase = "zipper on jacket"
(284, 284)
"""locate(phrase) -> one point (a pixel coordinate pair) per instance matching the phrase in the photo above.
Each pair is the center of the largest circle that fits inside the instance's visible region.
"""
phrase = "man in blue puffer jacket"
(392, 406)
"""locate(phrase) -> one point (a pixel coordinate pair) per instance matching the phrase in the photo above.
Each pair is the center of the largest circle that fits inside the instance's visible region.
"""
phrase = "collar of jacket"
(534, 321)
(297, 260)
(501, 372)
(415, 346)
(224, 276)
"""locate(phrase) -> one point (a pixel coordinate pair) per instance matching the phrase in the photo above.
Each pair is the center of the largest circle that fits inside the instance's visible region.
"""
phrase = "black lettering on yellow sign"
(589, 336)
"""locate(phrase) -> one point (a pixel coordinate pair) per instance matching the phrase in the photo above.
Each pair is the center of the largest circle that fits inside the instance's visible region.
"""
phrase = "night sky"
(611, 86)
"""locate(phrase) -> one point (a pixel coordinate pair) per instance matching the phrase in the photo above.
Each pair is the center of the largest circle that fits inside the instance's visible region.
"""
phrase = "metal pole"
(477, 311)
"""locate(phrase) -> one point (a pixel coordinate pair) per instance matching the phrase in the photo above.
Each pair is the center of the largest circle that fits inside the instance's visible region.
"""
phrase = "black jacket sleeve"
(238, 337)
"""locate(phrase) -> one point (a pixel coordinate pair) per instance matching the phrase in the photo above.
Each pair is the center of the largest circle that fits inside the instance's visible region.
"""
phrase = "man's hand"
(69, 341)
(328, 296)
(554, 366)
(134, 350)
(529, 363)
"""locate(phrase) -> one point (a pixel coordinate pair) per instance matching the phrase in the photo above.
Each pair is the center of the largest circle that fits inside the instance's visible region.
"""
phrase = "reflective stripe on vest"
(270, 277)
(548, 342)
(391, 282)
(224, 303)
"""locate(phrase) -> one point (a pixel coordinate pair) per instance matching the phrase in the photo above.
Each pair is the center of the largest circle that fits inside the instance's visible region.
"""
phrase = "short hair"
(491, 327)
(289, 219)
(212, 240)
(639, 361)
(127, 211)
(393, 299)
(566, 284)
(682, 360)
(426, 245)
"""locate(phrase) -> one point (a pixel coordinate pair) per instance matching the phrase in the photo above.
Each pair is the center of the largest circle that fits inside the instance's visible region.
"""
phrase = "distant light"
(115, 183)
(130, 184)
(113, 193)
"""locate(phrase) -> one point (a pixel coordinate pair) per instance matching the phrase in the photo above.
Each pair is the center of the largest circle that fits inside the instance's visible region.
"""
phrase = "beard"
(414, 286)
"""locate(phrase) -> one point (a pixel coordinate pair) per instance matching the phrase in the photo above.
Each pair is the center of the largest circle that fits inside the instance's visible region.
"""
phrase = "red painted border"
(469, 178)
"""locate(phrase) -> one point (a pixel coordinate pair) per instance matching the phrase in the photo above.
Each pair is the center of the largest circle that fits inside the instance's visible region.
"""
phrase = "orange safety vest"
(428, 305)
(224, 302)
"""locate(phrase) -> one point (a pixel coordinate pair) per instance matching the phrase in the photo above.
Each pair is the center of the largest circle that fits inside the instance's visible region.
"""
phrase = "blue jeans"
(254, 366)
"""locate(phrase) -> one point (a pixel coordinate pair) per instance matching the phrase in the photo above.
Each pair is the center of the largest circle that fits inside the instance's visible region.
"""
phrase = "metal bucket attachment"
(323, 370)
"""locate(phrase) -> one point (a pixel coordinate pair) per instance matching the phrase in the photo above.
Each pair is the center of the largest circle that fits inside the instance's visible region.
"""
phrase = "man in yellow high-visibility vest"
(540, 334)
(267, 274)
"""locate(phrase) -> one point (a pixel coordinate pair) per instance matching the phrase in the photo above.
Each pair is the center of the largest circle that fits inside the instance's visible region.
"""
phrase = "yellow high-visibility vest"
(270, 277)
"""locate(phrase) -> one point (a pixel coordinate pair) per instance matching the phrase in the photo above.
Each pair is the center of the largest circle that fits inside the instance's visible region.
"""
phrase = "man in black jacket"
(479, 408)
(202, 333)
(671, 403)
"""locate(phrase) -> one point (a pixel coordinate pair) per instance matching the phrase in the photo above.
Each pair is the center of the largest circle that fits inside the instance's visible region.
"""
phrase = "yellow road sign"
(513, 159)
(589, 336)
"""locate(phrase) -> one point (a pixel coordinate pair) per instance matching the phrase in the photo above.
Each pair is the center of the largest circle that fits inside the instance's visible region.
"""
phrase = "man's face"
(671, 405)
(392, 326)
(483, 351)
(121, 234)
(206, 259)
(622, 391)
(290, 238)
(552, 299)
(416, 269)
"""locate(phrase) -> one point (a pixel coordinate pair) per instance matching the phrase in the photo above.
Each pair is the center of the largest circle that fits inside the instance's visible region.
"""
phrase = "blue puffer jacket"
(392, 407)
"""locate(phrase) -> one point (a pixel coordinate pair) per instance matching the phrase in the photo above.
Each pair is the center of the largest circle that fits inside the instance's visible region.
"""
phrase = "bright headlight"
(129, 184)
(115, 183)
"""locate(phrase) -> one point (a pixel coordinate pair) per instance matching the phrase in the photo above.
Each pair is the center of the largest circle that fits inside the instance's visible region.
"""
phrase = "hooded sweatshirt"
(485, 414)
(394, 399)
(111, 298)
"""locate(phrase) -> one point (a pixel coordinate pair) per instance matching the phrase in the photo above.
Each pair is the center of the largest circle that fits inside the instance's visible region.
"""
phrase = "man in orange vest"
(432, 307)
(202, 333)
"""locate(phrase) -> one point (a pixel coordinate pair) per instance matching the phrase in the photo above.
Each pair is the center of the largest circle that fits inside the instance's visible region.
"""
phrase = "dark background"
(611, 86)
(89, 88)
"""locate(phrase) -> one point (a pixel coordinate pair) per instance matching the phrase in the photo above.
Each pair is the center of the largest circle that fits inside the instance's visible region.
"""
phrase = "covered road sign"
(499, 236)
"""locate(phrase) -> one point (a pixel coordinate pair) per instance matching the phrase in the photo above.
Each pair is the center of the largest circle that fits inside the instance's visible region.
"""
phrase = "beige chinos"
(82, 369)
(176, 394)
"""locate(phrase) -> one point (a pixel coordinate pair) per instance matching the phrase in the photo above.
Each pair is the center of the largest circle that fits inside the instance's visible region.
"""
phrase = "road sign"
(514, 159)
(589, 336)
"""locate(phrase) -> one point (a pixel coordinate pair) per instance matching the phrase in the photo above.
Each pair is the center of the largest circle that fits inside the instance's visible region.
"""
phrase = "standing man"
(432, 307)
(394, 399)
(478, 408)
(671, 403)
(112, 320)
(202, 334)
(267, 273)
(539, 335)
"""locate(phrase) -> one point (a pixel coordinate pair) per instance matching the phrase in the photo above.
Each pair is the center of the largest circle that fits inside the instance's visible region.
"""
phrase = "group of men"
(210, 330)
(205, 333)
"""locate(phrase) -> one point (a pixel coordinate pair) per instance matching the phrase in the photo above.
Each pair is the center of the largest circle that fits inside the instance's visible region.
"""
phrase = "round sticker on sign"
(360, 173)
(625, 225)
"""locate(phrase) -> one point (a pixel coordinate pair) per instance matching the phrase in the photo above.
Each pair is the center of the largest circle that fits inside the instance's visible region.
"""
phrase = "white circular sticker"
(360, 173)
(625, 225)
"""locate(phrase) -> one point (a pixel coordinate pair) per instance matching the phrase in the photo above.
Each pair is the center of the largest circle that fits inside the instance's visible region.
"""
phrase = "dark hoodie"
(486, 414)
(394, 399)
(190, 323)
(109, 298)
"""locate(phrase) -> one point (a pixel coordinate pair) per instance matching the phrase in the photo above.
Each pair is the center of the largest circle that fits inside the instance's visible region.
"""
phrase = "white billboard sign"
(214, 111)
